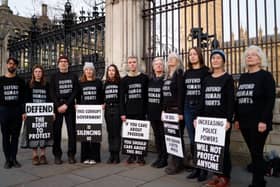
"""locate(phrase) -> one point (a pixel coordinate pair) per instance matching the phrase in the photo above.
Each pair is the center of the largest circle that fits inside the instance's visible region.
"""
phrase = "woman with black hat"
(218, 101)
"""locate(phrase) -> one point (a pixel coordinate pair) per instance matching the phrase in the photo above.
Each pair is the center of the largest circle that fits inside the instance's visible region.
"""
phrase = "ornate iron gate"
(177, 25)
(81, 39)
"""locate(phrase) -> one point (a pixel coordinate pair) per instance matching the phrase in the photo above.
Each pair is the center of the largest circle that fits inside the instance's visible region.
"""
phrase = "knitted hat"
(88, 65)
(220, 52)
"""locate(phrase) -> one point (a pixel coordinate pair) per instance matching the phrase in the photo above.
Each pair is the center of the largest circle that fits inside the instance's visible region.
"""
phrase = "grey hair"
(158, 59)
(179, 65)
(260, 53)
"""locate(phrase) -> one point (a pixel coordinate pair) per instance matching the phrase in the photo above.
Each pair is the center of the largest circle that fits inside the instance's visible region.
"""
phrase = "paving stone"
(65, 180)
(113, 180)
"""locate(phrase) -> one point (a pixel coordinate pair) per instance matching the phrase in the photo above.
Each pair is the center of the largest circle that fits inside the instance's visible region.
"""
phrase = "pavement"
(102, 174)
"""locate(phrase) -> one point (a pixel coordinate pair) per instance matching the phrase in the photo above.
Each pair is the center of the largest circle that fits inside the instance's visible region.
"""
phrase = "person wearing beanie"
(217, 100)
(194, 77)
(255, 98)
(90, 93)
(63, 91)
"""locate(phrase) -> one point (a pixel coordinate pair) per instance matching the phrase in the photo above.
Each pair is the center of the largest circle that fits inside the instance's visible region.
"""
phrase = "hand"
(194, 123)
(262, 127)
(227, 125)
(123, 117)
(236, 125)
(103, 106)
(62, 108)
(180, 117)
(23, 117)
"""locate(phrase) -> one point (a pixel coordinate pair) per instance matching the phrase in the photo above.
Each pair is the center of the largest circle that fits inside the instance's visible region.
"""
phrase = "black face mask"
(12, 70)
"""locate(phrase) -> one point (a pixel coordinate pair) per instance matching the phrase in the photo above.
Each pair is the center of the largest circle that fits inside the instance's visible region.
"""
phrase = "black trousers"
(227, 158)
(10, 119)
(255, 142)
(90, 151)
(113, 122)
(71, 131)
(158, 129)
(177, 162)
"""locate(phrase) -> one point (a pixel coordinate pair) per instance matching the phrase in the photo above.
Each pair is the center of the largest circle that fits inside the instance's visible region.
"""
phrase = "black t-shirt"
(90, 92)
(112, 93)
(155, 98)
(173, 92)
(255, 99)
(217, 97)
(193, 84)
(134, 95)
(38, 93)
(12, 91)
(63, 88)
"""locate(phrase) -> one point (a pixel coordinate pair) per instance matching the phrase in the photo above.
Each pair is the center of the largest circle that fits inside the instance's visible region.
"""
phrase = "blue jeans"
(189, 116)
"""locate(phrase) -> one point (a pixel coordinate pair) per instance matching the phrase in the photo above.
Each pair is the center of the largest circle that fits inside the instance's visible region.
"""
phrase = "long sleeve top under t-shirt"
(255, 99)
(91, 92)
(63, 89)
(217, 98)
(154, 107)
(12, 92)
(112, 93)
(133, 97)
(193, 84)
(173, 92)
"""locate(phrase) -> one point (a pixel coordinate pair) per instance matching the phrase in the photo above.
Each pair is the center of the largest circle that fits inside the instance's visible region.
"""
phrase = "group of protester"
(198, 91)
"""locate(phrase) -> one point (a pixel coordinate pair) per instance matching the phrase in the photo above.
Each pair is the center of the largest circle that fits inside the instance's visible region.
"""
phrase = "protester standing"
(255, 99)
(134, 98)
(218, 101)
(173, 102)
(63, 91)
(112, 112)
(154, 110)
(37, 91)
(11, 110)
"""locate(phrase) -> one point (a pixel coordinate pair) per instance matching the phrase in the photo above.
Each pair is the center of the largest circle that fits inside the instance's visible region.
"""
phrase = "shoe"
(16, 164)
(212, 182)
(111, 159)
(43, 160)
(223, 182)
(141, 161)
(155, 163)
(92, 162)
(57, 160)
(161, 164)
(172, 171)
(35, 161)
(8, 165)
(116, 158)
(202, 176)
(71, 160)
(86, 162)
(194, 174)
(131, 159)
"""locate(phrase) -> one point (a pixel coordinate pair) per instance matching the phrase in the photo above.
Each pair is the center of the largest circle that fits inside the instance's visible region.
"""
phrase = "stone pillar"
(124, 32)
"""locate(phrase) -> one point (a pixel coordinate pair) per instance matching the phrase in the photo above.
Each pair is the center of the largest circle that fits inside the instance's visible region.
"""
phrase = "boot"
(162, 163)
(223, 182)
(116, 158)
(202, 176)
(111, 158)
(155, 163)
(194, 174)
